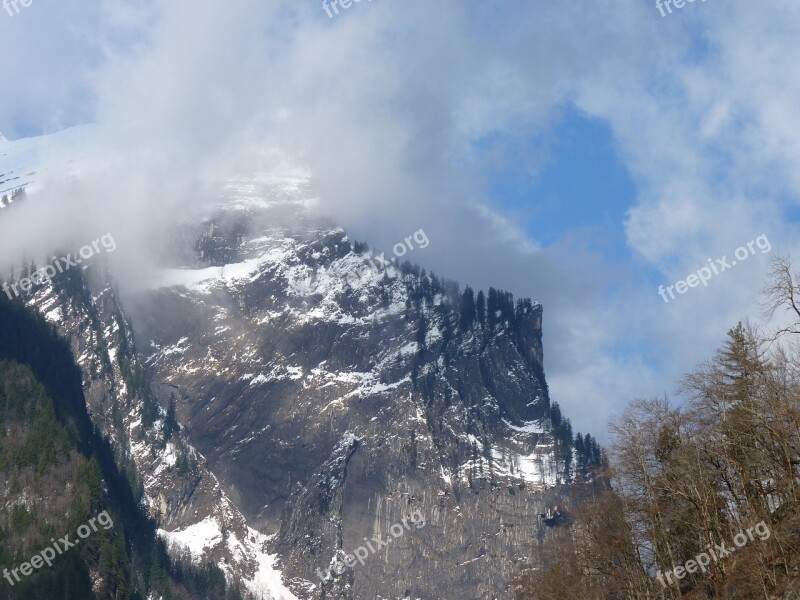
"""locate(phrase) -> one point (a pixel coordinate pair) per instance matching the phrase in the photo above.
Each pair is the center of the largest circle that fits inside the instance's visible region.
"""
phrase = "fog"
(401, 112)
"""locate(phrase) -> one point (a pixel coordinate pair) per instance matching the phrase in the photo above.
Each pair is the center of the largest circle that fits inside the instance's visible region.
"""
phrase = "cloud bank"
(403, 111)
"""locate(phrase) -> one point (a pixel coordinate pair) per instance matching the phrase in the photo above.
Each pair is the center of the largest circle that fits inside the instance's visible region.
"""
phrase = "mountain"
(283, 398)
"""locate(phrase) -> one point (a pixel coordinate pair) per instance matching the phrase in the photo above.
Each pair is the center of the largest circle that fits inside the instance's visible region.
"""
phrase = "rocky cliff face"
(286, 400)
(176, 485)
(333, 398)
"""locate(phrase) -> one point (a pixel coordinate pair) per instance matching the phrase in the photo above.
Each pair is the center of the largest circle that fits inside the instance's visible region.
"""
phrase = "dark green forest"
(59, 473)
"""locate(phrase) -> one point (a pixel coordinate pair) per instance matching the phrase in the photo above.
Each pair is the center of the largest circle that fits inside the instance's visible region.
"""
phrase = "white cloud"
(393, 104)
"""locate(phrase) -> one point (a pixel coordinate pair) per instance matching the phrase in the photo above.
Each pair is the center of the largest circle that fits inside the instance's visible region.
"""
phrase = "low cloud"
(401, 112)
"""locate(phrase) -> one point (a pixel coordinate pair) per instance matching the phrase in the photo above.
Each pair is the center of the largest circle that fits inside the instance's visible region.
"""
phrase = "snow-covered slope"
(25, 163)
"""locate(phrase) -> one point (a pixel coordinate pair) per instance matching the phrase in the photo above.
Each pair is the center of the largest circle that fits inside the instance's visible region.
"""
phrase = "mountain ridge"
(283, 343)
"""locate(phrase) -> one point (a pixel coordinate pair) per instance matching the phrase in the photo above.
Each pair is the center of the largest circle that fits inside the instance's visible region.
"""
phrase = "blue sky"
(581, 185)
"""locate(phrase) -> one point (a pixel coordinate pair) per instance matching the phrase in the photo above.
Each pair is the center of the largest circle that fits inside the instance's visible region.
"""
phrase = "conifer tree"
(481, 308)
(467, 309)
(491, 309)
